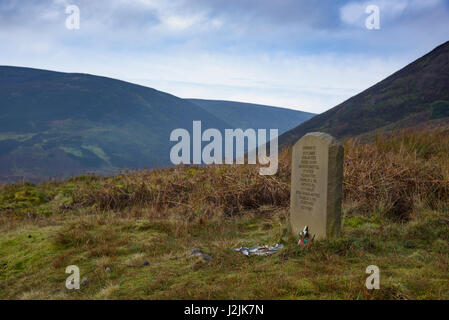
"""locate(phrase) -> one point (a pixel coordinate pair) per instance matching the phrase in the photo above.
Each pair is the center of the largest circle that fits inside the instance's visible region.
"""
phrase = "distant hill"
(413, 96)
(59, 124)
(248, 115)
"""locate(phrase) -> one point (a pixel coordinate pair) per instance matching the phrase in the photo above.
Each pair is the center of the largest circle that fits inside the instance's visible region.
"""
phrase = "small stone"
(146, 263)
(195, 252)
(206, 257)
(84, 281)
(108, 270)
(199, 253)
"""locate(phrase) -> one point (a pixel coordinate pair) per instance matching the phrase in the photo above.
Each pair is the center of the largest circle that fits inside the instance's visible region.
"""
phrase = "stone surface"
(84, 282)
(199, 253)
(316, 185)
(206, 257)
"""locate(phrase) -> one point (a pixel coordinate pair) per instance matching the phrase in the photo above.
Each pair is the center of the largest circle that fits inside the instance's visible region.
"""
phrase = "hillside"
(410, 97)
(59, 124)
(247, 115)
(132, 235)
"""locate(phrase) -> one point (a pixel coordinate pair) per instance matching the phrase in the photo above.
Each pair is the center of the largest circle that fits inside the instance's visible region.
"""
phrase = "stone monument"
(316, 185)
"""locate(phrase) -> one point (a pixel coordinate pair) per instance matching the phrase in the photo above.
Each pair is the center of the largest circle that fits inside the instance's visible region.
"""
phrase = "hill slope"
(133, 235)
(420, 91)
(249, 115)
(58, 124)
(54, 123)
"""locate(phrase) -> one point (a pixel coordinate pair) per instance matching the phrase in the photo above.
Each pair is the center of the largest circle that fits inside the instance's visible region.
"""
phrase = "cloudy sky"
(302, 54)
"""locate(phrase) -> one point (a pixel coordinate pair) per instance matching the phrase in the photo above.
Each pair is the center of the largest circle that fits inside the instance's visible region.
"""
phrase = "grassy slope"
(396, 216)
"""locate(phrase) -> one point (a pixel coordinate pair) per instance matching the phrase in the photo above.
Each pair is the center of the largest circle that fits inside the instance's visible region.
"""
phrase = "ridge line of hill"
(410, 90)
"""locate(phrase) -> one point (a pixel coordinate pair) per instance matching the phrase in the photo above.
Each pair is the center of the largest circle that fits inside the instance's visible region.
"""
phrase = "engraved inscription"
(309, 169)
(316, 183)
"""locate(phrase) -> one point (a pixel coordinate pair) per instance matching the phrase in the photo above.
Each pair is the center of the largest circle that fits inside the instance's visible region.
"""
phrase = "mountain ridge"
(410, 90)
(243, 115)
(58, 124)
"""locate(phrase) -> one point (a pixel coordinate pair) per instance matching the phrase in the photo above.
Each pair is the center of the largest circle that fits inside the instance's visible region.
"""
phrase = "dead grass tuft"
(395, 173)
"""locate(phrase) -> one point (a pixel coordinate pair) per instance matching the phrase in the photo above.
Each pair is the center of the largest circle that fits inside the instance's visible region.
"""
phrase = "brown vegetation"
(395, 216)
(390, 174)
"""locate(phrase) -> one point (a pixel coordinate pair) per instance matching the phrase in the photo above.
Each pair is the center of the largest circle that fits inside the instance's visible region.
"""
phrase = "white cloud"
(312, 83)
(291, 55)
(353, 13)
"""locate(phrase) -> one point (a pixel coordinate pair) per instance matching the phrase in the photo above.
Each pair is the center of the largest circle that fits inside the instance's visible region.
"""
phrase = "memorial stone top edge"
(322, 136)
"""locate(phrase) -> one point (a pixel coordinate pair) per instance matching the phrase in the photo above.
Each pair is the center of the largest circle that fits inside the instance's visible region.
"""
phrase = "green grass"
(413, 258)
(16, 136)
(72, 151)
(395, 216)
(98, 152)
